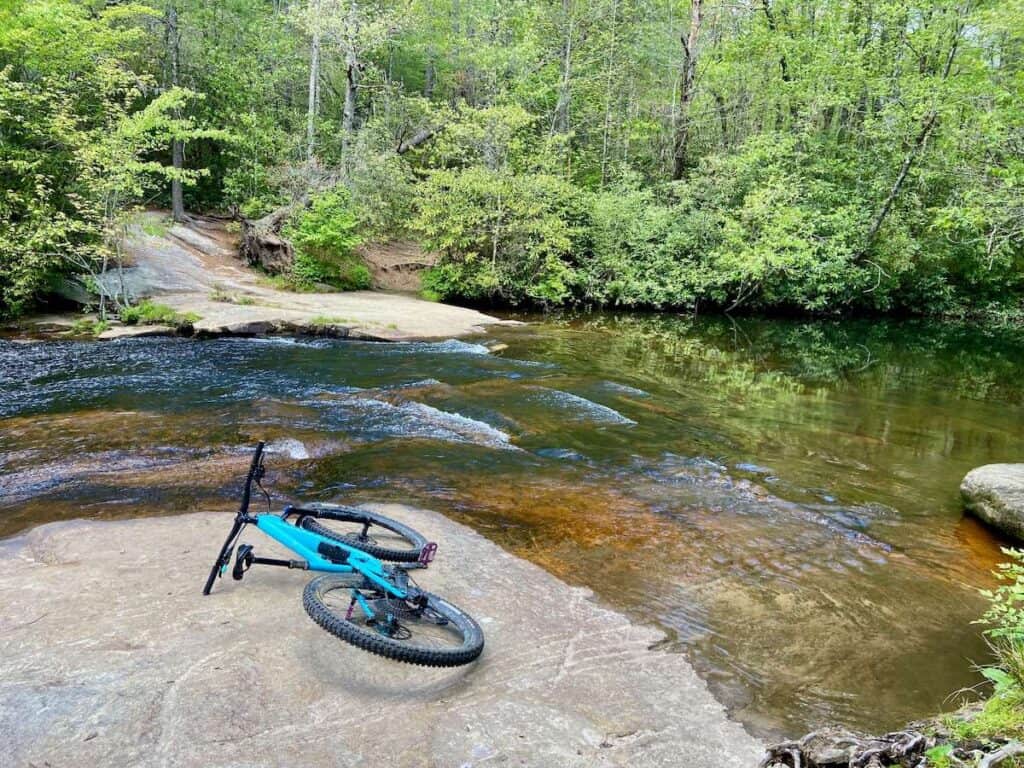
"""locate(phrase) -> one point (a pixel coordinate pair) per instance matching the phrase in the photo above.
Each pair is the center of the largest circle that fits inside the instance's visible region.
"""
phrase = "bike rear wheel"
(377, 535)
(434, 633)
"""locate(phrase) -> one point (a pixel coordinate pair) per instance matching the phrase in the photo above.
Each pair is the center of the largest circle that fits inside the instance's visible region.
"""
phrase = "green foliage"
(1005, 615)
(83, 128)
(938, 756)
(641, 251)
(56, 104)
(324, 236)
(1002, 716)
(147, 312)
(88, 326)
(503, 235)
(848, 157)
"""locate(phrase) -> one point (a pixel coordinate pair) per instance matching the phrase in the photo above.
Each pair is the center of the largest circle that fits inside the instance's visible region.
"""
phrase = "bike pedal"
(427, 554)
(243, 561)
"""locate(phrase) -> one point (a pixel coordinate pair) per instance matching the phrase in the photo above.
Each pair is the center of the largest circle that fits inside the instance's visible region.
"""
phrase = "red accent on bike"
(428, 553)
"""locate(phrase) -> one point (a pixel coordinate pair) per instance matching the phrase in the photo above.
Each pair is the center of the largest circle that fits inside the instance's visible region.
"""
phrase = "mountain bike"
(360, 599)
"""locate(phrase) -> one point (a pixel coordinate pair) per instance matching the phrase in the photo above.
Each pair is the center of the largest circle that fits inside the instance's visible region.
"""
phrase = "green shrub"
(642, 252)
(384, 194)
(88, 326)
(324, 237)
(1005, 614)
(502, 236)
(147, 312)
(1003, 713)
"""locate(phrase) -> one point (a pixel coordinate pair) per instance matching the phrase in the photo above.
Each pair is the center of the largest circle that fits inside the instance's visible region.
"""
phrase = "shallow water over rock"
(781, 496)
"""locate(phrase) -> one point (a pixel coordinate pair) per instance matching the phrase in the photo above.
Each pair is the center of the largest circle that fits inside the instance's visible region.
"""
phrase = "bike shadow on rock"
(344, 668)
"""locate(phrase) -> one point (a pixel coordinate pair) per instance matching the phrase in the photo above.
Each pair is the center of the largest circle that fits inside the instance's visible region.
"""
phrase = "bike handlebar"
(254, 468)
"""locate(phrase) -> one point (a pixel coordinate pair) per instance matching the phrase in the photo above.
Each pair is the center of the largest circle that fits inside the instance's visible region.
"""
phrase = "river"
(780, 497)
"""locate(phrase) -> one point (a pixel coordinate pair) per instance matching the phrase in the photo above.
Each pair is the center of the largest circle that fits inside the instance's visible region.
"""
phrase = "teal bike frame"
(316, 552)
(310, 546)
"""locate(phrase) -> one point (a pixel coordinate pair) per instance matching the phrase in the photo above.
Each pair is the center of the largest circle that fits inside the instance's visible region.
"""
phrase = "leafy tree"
(324, 237)
(839, 156)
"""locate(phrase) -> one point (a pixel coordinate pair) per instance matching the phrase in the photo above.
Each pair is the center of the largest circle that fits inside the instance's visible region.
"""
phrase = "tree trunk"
(420, 137)
(177, 145)
(314, 98)
(688, 77)
(429, 76)
(348, 117)
(927, 125)
(606, 130)
(560, 122)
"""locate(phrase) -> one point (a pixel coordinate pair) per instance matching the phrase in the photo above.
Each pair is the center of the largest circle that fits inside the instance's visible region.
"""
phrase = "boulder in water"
(995, 493)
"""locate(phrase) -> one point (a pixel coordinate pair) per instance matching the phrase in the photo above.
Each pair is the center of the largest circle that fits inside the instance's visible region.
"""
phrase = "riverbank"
(192, 273)
(110, 655)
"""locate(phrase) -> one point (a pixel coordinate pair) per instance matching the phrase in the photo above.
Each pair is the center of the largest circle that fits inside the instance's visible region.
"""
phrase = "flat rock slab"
(995, 493)
(191, 268)
(135, 331)
(110, 656)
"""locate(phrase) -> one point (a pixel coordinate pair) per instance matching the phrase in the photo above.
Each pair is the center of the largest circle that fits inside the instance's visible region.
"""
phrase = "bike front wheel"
(377, 535)
(428, 630)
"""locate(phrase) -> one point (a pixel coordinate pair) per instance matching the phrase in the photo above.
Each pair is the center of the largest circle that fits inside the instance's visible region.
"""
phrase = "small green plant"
(323, 321)
(221, 294)
(147, 312)
(325, 237)
(155, 227)
(1003, 713)
(88, 326)
(938, 756)
(1005, 614)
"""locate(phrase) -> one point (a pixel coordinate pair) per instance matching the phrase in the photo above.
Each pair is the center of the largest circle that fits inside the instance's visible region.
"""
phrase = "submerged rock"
(995, 493)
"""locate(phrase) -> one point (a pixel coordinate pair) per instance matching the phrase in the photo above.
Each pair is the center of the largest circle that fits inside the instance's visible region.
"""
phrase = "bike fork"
(224, 558)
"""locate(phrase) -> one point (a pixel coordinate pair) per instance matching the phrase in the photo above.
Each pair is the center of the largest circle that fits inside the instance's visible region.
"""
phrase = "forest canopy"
(811, 156)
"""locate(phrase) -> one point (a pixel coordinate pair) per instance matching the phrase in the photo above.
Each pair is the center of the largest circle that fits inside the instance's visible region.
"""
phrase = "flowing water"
(780, 497)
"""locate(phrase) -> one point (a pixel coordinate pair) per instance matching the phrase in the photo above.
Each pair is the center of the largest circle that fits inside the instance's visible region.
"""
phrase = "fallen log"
(262, 244)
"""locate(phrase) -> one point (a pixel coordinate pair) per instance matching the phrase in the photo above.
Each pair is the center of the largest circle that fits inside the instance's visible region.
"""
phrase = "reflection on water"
(781, 497)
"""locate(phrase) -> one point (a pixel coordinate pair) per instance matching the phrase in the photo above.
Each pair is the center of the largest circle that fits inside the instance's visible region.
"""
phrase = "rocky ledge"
(109, 655)
(995, 493)
(193, 269)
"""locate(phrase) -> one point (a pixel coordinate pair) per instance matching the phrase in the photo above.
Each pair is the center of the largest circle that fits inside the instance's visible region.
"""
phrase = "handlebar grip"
(253, 467)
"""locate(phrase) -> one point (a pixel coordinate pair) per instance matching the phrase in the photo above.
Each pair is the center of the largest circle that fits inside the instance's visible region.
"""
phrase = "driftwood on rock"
(262, 245)
(839, 748)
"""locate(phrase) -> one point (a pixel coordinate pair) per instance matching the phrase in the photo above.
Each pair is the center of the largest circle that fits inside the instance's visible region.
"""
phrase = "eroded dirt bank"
(110, 656)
